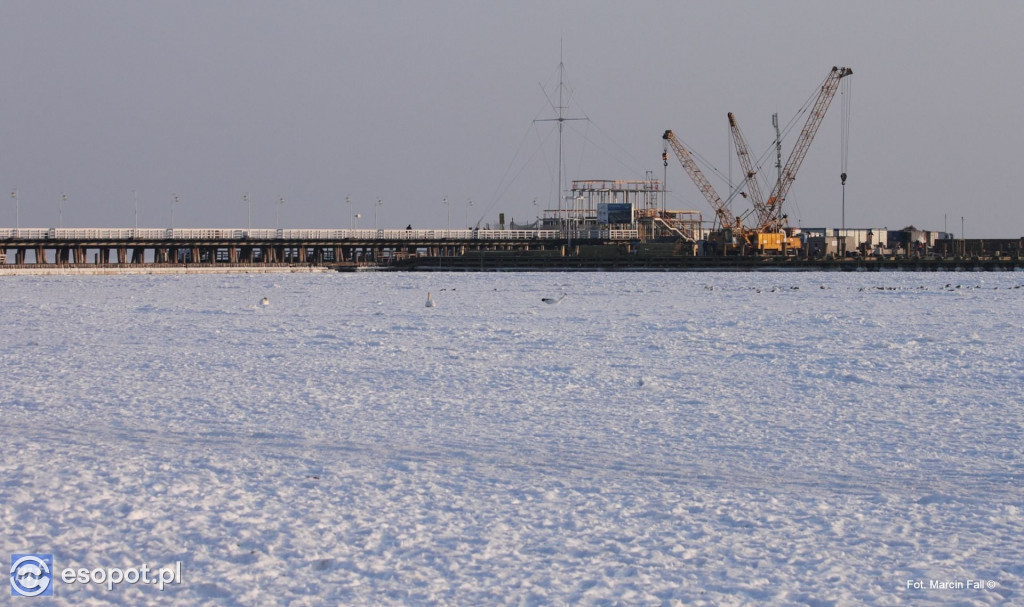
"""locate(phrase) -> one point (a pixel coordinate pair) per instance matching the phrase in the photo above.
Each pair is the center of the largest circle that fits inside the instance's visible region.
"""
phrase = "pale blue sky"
(410, 102)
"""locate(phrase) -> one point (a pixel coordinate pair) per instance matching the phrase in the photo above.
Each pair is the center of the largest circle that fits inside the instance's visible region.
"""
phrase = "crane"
(722, 211)
(749, 171)
(759, 239)
(772, 220)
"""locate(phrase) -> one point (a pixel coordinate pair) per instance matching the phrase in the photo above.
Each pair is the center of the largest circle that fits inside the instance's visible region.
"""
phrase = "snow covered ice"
(658, 438)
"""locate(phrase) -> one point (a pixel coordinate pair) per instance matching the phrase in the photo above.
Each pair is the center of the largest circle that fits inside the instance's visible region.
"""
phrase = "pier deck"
(132, 247)
(102, 251)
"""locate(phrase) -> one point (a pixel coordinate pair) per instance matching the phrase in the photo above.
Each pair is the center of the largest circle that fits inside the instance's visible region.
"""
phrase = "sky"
(315, 103)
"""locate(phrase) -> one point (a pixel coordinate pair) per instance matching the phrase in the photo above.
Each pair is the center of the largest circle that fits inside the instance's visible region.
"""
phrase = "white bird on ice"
(551, 300)
(430, 300)
(265, 301)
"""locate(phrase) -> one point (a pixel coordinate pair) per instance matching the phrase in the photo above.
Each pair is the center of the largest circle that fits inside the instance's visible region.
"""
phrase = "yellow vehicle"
(777, 243)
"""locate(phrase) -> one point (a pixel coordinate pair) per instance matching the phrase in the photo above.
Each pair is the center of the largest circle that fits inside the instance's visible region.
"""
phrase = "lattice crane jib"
(749, 171)
(773, 220)
(722, 212)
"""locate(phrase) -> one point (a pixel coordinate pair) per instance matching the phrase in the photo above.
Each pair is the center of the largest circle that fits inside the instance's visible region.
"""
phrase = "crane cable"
(794, 121)
(844, 139)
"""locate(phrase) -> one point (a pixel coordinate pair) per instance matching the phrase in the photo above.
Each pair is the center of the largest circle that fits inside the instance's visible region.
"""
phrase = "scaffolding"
(588, 196)
(624, 203)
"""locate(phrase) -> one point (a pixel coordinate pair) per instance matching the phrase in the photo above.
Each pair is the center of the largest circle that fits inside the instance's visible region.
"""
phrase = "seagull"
(430, 300)
(551, 300)
(265, 301)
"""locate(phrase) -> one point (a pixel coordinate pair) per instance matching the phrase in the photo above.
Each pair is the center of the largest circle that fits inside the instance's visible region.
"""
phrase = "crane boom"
(749, 171)
(773, 220)
(722, 212)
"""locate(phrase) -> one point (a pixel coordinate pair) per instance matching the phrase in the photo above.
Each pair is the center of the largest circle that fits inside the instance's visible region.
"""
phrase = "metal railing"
(603, 234)
(193, 234)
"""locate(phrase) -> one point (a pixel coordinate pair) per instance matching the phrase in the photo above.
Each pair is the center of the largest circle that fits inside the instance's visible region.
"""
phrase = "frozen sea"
(654, 439)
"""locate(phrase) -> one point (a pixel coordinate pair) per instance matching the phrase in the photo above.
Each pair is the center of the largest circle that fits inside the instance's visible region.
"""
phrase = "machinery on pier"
(770, 234)
(763, 238)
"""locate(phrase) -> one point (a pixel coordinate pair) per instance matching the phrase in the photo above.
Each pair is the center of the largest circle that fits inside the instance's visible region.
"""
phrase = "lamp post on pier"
(17, 209)
(174, 203)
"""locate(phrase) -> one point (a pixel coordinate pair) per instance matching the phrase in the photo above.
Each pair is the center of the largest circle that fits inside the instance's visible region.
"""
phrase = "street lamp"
(469, 203)
(277, 212)
(17, 209)
(375, 207)
(444, 201)
(135, 197)
(60, 210)
(355, 219)
(248, 204)
(174, 202)
(348, 201)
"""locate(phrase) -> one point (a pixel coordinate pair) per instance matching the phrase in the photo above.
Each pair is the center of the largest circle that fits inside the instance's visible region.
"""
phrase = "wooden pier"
(125, 247)
(101, 250)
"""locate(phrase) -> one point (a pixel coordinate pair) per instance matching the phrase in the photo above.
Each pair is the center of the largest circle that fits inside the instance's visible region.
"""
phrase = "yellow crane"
(769, 235)
(760, 239)
(773, 219)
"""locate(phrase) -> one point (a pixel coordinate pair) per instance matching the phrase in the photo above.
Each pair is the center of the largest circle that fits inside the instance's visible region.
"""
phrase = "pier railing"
(194, 234)
(267, 234)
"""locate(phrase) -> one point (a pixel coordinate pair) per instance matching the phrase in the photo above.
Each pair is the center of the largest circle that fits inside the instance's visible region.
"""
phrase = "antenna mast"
(560, 118)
